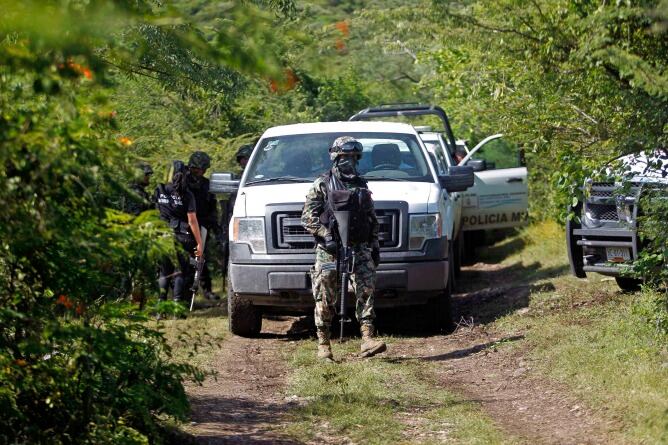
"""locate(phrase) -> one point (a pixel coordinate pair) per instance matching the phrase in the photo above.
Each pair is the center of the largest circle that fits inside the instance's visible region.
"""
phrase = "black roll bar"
(387, 110)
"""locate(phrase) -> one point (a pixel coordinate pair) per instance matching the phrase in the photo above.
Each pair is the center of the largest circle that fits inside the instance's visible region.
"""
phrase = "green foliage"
(652, 265)
(653, 230)
(77, 363)
(66, 376)
(90, 381)
(576, 83)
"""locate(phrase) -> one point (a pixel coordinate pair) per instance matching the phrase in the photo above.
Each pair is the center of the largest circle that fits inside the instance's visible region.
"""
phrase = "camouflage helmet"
(345, 145)
(199, 159)
(245, 151)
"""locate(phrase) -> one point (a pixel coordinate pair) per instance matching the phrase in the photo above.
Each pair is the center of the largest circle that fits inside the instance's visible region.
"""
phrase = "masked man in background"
(198, 164)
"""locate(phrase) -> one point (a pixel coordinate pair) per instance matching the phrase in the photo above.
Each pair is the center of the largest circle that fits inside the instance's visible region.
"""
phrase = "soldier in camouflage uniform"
(316, 218)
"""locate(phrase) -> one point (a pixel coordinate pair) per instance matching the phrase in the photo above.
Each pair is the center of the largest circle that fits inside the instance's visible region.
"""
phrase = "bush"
(652, 265)
(89, 380)
(71, 369)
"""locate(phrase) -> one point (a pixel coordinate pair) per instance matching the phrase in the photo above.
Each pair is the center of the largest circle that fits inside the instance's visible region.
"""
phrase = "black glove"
(330, 245)
(375, 255)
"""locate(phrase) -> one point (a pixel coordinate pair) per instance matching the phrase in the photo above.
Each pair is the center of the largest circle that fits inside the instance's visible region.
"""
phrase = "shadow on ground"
(488, 292)
(499, 252)
(243, 421)
(461, 353)
(456, 354)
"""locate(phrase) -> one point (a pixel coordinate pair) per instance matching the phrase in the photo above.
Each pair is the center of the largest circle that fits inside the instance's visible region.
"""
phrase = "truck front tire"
(440, 309)
(245, 320)
(628, 284)
(575, 253)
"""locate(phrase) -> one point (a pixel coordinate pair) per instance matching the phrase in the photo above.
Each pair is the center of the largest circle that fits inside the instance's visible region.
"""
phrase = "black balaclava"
(194, 181)
(345, 167)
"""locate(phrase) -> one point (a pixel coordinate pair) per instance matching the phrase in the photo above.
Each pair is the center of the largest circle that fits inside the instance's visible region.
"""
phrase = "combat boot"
(324, 347)
(209, 295)
(370, 346)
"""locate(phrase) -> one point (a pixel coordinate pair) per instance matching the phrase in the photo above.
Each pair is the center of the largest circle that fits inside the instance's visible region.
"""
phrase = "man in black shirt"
(178, 207)
(198, 164)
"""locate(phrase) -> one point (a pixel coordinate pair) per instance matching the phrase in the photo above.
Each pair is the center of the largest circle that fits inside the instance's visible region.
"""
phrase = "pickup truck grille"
(601, 203)
(604, 212)
(388, 227)
(290, 234)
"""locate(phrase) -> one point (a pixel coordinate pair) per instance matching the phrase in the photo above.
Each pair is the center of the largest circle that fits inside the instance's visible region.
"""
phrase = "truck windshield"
(386, 157)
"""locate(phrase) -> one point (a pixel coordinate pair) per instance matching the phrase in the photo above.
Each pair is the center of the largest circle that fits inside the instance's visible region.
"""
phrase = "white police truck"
(271, 253)
(498, 198)
(603, 236)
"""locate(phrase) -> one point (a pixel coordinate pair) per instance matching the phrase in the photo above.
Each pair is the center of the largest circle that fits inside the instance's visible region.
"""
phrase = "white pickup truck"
(271, 253)
(603, 235)
(498, 198)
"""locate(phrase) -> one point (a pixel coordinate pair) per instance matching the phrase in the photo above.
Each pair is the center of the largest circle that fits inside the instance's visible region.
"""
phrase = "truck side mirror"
(458, 179)
(220, 183)
(477, 165)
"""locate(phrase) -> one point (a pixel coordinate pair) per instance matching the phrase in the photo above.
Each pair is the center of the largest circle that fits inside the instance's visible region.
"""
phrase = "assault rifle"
(199, 267)
(345, 262)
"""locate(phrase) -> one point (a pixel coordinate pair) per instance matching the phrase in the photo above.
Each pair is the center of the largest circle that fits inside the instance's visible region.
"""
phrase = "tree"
(76, 366)
(576, 82)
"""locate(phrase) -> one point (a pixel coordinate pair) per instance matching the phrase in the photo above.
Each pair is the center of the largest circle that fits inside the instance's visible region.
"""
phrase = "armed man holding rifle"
(342, 189)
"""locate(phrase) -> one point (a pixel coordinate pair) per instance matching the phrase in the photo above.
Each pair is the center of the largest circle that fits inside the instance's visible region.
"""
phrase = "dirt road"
(245, 402)
(248, 403)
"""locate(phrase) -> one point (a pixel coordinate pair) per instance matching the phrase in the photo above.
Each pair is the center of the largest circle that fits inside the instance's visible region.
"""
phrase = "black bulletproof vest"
(356, 200)
(166, 207)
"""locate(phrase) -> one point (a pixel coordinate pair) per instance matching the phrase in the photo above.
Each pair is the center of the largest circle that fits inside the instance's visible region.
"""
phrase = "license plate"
(618, 254)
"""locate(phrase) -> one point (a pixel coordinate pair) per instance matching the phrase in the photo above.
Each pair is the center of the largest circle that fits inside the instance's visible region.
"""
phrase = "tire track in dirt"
(245, 404)
(531, 408)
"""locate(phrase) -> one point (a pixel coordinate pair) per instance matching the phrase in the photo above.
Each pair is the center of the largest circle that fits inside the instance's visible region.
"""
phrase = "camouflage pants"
(325, 287)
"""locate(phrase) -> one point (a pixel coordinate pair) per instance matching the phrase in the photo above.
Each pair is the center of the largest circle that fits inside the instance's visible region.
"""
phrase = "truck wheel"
(458, 251)
(628, 284)
(441, 306)
(472, 239)
(244, 319)
(575, 253)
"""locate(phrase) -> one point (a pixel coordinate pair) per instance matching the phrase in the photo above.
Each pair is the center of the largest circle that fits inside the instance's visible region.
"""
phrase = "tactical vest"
(357, 201)
(166, 204)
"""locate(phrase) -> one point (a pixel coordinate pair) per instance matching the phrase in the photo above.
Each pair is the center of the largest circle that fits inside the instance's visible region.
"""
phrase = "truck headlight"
(624, 209)
(250, 231)
(586, 190)
(422, 228)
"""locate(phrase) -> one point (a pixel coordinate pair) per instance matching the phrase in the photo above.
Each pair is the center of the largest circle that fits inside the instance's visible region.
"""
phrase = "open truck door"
(499, 196)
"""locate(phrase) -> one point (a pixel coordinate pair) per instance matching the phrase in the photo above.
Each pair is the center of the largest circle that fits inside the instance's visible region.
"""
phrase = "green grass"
(197, 337)
(380, 401)
(611, 357)
(600, 342)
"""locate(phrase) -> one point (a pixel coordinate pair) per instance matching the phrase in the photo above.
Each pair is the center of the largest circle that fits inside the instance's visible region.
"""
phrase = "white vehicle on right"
(499, 198)
(603, 236)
